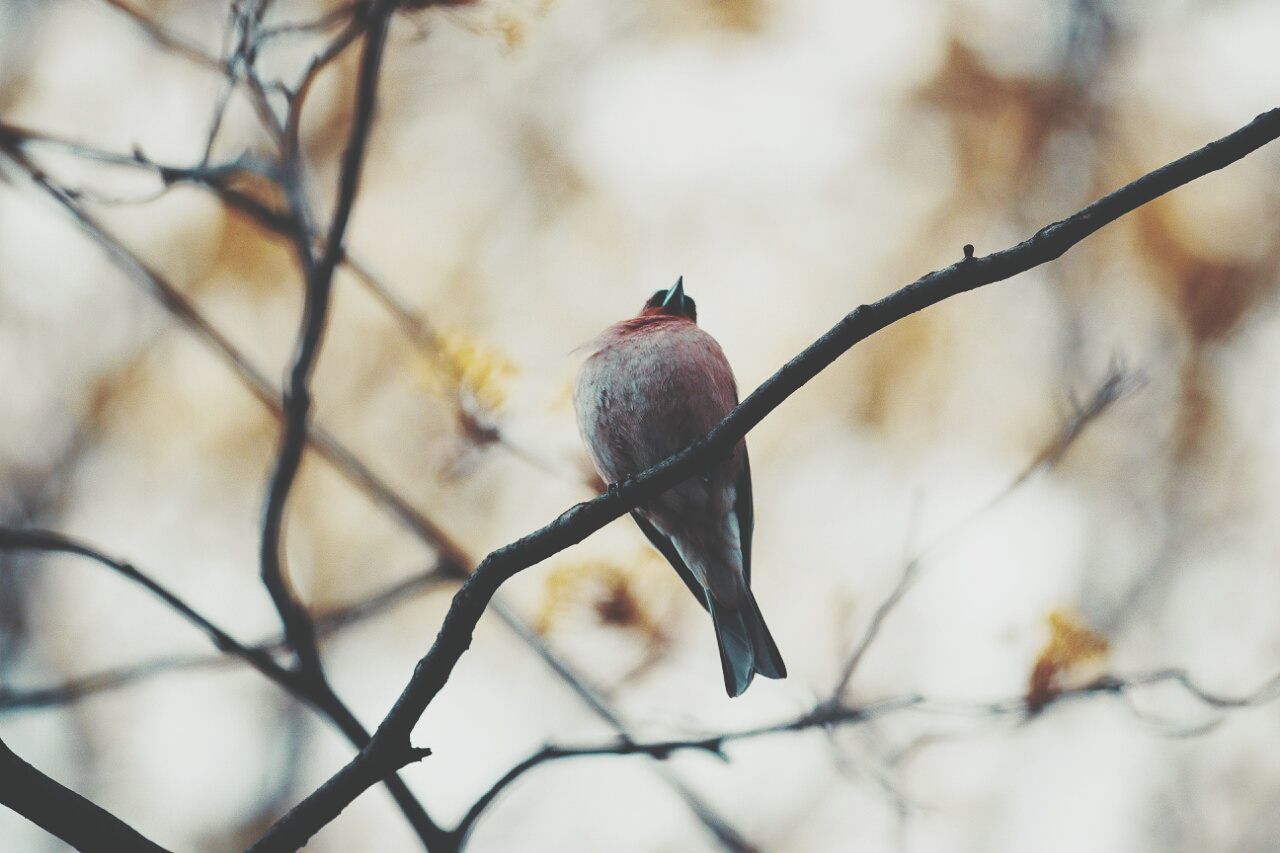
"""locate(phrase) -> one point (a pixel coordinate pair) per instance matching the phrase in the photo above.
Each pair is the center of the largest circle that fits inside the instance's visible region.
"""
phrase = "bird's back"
(653, 386)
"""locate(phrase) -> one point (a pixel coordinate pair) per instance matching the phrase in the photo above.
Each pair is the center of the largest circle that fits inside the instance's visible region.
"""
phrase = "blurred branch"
(299, 631)
(335, 16)
(259, 658)
(830, 716)
(166, 39)
(327, 623)
(220, 179)
(391, 740)
(62, 812)
(12, 539)
(1115, 385)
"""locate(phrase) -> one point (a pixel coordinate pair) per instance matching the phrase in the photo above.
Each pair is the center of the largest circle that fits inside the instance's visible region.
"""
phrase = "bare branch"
(168, 40)
(335, 16)
(327, 623)
(829, 716)
(298, 628)
(259, 658)
(47, 541)
(433, 670)
(62, 812)
(1115, 385)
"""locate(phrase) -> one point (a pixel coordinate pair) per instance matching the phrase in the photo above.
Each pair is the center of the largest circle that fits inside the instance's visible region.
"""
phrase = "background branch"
(840, 715)
(298, 684)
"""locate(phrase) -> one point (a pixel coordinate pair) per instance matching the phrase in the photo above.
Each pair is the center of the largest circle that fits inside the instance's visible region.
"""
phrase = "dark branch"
(259, 658)
(296, 408)
(574, 525)
(299, 629)
(49, 542)
(62, 812)
(327, 623)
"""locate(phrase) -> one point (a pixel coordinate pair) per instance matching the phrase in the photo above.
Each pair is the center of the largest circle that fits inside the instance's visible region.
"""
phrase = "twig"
(840, 715)
(296, 408)
(391, 739)
(258, 657)
(1115, 385)
(327, 623)
(168, 40)
(335, 16)
(219, 180)
(47, 541)
(299, 630)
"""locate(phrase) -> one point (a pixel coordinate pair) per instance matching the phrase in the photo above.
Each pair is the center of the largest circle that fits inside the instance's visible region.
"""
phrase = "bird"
(651, 386)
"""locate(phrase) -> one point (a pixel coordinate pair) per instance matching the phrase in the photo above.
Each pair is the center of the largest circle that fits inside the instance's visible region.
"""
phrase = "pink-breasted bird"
(653, 385)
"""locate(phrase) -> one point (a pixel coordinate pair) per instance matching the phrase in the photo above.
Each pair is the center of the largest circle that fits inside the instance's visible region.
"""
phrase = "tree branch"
(168, 40)
(432, 672)
(296, 407)
(305, 689)
(299, 630)
(842, 715)
(62, 812)
(1115, 385)
(327, 623)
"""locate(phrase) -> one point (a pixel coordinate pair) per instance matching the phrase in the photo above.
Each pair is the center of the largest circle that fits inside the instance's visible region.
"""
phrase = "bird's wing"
(746, 513)
(668, 550)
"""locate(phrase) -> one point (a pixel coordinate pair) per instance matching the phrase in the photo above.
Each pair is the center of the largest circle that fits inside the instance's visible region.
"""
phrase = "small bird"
(653, 385)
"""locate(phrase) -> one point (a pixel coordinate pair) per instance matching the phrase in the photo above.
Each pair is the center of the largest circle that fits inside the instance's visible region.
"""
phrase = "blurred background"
(1069, 474)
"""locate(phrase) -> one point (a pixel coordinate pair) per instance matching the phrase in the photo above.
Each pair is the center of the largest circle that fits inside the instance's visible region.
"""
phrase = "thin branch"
(62, 812)
(258, 657)
(166, 39)
(1115, 385)
(12, 539)
(840, 715)
(575, 524)
(297, 97)
(335, 16)
(327, 623)
(219, 179)
(298, 628)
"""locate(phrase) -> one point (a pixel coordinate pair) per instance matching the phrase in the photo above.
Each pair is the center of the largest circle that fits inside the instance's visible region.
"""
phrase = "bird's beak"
(675, 296)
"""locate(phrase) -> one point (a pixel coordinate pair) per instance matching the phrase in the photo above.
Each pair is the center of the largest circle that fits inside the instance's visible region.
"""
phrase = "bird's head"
(672, 302)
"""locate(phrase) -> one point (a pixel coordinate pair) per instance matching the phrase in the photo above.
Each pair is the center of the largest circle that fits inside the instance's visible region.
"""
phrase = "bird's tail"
(746, 647)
